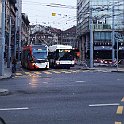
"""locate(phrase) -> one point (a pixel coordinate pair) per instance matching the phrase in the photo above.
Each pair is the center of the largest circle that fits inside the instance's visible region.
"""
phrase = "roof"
(59, 46)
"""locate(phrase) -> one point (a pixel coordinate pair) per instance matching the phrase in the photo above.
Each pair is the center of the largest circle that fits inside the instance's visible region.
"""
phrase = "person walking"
(14, 62)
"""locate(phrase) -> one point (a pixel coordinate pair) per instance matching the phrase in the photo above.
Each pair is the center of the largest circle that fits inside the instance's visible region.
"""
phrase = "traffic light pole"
(2, 39)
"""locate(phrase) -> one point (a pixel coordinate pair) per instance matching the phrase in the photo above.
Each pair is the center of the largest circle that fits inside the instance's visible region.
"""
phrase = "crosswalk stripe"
(122, 99)
(73, 71)
(47, 72)
(18, 74)
(119, 110)
(37, 72)
(27, 73)
(57, 72)
(118, 123)
(66, 72)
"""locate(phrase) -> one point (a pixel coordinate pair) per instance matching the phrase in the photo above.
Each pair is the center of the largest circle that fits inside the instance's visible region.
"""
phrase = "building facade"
(25, 30)
(69, 37)
(10, 15)
(44, 34)
(0, 14)
(100, 15)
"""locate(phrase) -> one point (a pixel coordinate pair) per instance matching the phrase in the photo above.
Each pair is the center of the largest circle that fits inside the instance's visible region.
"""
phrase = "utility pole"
(117, 53)
(113, 33)
(15, 39)
(19, 26)
(2, 39)
(91, 39)
(9, 47)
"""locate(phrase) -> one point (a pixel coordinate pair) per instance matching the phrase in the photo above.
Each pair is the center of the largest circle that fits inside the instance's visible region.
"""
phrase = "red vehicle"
(35, 57)
(76, 54)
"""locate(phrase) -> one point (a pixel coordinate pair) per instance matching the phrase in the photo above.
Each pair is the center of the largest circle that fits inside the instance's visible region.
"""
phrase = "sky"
(40, 12)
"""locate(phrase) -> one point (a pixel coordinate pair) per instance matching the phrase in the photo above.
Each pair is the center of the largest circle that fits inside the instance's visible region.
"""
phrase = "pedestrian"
(14, 62)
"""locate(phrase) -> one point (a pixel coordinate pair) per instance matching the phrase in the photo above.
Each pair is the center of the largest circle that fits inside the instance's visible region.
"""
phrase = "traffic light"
(53, 14)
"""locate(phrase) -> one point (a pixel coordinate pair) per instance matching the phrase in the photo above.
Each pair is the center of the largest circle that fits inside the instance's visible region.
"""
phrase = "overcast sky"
(39, 13)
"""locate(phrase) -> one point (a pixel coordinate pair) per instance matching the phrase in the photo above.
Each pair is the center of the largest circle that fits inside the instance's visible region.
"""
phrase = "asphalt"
(8, 73)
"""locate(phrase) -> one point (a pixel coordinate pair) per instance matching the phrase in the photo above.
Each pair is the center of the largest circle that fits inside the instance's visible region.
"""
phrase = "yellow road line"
(46, 72)
(37, 72)
(119, 110)
(73, 71)
(122, 99)
(67, 72)
(27, 73)
(19, 74)
(57, 72)
(118, 123)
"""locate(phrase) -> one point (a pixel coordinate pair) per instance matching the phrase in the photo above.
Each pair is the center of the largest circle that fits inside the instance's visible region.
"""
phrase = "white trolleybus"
(61, 56)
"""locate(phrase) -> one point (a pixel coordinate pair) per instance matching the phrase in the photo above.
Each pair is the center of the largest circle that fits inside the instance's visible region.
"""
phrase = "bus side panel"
(26, 63)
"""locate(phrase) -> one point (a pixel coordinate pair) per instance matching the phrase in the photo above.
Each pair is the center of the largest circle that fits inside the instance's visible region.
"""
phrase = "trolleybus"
(35, 57)
(61, 56)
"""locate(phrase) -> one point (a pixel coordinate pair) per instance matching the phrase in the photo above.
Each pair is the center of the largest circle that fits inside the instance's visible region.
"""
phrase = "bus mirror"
(31, 60)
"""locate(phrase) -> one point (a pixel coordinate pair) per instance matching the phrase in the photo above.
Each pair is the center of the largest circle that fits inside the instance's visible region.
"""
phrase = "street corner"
(4, 92)
(6, 77)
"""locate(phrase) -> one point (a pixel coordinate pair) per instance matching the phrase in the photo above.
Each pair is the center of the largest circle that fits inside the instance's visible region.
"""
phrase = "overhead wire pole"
(15, 37)
(19, 27)
(9, 47)
(91, 38)
(113, 33)
(2, 38)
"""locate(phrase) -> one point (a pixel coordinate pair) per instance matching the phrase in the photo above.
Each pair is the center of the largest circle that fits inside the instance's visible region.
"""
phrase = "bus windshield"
(39, 53)
(65, 55)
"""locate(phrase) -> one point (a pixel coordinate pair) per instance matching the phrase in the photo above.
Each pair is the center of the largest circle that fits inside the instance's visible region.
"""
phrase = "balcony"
(101, 27)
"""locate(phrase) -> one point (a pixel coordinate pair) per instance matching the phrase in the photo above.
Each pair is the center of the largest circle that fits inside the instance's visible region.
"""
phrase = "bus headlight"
(33, 64)
(57, 62)
(73, 62)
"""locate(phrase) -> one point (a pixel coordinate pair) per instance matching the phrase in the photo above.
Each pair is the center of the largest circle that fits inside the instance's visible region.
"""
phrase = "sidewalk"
(100, 68)
(7, 73)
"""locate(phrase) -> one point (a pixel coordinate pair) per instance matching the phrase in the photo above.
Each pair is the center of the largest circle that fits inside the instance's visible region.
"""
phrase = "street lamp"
(2, 39)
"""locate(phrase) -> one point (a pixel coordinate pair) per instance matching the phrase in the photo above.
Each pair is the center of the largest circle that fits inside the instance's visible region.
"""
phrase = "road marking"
(37, 72)
(80, 81)
(119, 110)
(100, 105)
(57, 72)
(67, 72)
(118, 123)
(18, 74)
(122, 99)
(45, 82)
(27, 73)
(46, 72)
(12, 109)
(73, 71)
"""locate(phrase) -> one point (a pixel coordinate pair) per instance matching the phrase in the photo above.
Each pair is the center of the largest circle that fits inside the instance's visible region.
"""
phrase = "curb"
(118, 71)
(3, 78)
(4, 92)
